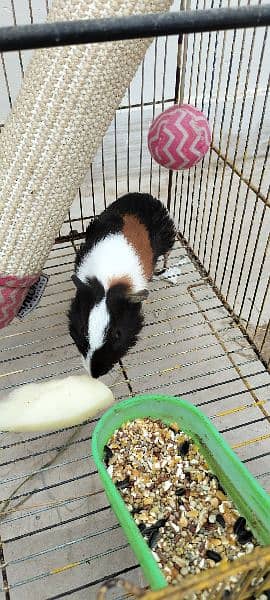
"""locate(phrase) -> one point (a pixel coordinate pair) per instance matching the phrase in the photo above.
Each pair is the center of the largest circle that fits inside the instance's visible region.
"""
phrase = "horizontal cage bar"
(26, 37)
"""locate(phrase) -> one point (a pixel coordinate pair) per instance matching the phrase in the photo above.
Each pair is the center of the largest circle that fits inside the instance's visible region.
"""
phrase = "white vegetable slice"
(53, 404)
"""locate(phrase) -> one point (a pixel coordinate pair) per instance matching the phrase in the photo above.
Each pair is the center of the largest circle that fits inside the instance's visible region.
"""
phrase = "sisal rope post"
(68, 99)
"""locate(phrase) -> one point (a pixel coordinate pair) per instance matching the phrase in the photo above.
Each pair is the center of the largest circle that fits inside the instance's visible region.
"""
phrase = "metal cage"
(206, 334)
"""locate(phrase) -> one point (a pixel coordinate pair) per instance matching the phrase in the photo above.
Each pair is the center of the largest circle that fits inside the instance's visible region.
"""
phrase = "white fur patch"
(97, 326)
(111, 258)
(86, 362)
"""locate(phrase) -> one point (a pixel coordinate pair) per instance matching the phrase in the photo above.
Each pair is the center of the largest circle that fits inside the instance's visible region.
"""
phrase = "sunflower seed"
(108, 454)
(212, 555)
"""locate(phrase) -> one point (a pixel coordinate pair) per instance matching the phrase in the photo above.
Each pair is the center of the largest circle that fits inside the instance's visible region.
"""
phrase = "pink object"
(179, 137)
(13, 291)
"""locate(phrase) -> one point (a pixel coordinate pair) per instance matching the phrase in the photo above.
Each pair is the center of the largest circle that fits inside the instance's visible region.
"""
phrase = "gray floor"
(60, 538)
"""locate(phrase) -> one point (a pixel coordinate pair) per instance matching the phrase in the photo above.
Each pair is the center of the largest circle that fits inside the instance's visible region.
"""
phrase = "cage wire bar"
(135, 26)
(206, 334)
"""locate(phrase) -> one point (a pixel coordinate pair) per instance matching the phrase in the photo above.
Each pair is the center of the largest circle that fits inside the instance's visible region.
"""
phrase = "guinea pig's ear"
(136, 297)
(79, 285)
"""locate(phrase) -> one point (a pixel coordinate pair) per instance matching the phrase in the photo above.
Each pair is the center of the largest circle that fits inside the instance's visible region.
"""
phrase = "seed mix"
(178, 504)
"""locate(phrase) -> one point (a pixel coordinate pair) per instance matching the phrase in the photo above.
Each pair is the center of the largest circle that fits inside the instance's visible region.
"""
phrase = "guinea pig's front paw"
(158, 271)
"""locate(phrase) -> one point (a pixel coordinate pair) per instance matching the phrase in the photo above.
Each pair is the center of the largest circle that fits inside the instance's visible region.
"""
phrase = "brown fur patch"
(125, 280)
(137, 235)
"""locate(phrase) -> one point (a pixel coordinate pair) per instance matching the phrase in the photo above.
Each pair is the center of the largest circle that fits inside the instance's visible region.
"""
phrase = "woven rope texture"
(67, 101)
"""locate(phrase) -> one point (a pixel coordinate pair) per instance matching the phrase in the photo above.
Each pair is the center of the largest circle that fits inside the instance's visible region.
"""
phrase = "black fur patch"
(86, 297)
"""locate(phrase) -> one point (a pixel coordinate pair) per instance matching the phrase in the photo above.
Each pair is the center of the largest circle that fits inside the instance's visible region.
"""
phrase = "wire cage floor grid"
(59, 537)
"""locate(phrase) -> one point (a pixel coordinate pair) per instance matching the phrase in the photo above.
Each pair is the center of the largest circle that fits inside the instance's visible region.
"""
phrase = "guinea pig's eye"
(116, 335)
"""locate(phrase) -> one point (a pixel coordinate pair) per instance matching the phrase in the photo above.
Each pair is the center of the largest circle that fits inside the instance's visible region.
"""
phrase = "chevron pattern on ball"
(179, 137)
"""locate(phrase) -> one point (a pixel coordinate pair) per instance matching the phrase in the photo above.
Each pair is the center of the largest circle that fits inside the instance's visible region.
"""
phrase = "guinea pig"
(112, 270)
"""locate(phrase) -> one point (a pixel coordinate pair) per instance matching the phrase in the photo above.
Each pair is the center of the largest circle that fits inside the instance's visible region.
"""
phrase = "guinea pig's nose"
(95, 371)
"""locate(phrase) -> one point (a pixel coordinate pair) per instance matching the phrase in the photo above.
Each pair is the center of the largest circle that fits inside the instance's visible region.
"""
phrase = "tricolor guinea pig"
(112, 271)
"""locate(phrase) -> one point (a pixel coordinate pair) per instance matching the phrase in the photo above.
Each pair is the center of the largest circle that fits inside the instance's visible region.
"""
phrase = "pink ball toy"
(179, 137)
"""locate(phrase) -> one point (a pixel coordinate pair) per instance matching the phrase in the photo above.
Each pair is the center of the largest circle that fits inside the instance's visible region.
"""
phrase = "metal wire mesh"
(57, 530)
(206, 336)
(222, 206)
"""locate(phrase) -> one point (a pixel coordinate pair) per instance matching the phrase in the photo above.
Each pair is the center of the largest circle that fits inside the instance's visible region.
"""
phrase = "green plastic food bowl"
(250, 499)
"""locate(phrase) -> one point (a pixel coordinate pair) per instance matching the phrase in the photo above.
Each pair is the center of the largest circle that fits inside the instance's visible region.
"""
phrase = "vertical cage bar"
(81, 210)
(180, 97)
(92, 191)
(207, 183)
(213, 237)
(153, 107)
(192, 54)
(246, 198)
(254, 210)
(233, 165)
(30, 11)
(186, 6)
(128, 142)
(103, 174)
(15, 23)
(243, 159)
(115, 155)
(213, 126)
(163, 100)
(207, 237)
(176, 96)
(141, 125)
(196, 168)
(6, 80)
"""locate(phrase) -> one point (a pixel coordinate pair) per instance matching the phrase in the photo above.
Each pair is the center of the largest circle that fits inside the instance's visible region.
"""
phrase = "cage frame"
(34, 36)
